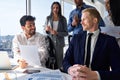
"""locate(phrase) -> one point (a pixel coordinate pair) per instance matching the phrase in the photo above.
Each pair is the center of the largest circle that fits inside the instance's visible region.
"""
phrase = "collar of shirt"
(95, 33)
(31, 38)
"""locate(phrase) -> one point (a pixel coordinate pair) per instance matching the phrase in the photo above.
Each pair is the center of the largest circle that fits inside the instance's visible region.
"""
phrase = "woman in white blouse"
(56, 29)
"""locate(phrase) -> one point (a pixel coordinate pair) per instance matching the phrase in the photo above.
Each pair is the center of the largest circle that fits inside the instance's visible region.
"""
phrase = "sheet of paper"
(30, 54)
(113, 31)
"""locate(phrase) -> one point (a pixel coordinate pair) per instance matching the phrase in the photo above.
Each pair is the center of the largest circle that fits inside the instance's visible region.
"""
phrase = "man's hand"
(73, 71)
(75, 21)
(22, 63)
(87, 74)
(48, 28)
(80, 72)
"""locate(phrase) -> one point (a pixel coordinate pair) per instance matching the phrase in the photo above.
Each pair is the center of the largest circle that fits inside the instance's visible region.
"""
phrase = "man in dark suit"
(104, 52)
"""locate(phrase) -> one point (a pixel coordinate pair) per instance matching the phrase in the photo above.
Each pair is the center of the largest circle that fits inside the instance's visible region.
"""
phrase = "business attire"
(78, 12)
(37, 39)
(105, 54)
(58, 40)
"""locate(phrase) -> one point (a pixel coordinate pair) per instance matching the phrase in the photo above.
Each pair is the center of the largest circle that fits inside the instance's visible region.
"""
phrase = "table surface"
(17, 74)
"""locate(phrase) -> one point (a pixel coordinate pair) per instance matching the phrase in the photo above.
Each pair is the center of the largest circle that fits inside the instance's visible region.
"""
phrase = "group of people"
(55, 27)
(83, 20)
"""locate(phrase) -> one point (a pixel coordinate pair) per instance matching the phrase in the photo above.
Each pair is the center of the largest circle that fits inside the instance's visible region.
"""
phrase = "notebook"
(5, 61)
(30, 54)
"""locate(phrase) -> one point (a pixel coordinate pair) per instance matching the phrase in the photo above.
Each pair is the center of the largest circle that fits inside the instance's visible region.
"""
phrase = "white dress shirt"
(94, 38)
(37, 39)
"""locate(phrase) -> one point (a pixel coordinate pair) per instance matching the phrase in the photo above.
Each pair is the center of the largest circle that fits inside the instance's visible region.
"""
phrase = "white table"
(18, 74)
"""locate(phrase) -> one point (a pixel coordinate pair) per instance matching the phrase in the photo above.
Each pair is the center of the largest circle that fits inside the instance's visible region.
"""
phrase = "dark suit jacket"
(106, 54)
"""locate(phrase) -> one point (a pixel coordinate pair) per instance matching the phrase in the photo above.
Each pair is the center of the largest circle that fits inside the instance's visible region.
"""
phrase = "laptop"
(30, 54)
(5, 61)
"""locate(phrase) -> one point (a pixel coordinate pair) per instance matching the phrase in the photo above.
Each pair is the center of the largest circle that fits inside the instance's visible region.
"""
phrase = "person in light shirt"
(104, 55)
(108, 19)
(29, 36)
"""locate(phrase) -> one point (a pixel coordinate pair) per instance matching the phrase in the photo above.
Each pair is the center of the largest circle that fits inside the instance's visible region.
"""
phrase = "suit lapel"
(82, 44)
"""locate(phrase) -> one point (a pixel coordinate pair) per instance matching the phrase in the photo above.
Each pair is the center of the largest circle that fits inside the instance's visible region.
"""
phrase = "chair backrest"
(51, 62)
(69, 38)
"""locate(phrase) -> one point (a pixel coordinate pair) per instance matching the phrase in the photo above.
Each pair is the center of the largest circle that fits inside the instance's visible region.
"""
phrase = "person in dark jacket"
(104, 52)
(56, 29)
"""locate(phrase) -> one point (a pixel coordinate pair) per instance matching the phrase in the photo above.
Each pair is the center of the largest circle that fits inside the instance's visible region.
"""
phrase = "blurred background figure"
(115, 10)
(74, 24)
(56, 29)
(108, 19)
(114, 7)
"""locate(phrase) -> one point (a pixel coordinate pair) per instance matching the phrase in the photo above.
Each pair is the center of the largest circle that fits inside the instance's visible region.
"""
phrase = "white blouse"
(55, 25)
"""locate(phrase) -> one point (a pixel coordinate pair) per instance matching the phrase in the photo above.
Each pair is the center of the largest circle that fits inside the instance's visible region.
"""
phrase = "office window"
(10, 13)
(41, 9)
(67, 9)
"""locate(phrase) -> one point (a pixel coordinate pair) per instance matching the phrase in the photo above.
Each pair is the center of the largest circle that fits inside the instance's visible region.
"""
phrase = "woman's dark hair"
(59, 12)
(115, 10)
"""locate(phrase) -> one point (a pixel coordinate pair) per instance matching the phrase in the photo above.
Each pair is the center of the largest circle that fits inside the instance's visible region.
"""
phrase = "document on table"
(30, 54)
(46, 75)
(113, 31)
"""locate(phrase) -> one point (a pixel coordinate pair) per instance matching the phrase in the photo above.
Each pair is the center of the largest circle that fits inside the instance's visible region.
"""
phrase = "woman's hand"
(48, 28)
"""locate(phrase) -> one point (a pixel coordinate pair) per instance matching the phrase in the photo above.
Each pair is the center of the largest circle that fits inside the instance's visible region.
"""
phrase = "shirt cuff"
(98, 75)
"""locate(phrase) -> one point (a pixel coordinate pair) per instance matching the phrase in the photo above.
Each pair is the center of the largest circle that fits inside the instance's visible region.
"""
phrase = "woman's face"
(107, 5)
(55, 9)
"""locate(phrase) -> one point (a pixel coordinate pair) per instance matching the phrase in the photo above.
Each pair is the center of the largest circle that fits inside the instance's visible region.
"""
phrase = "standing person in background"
(75, 17)
(115, 10)
(108, 19)
(29, 36)
(56, 29)
(99, 60)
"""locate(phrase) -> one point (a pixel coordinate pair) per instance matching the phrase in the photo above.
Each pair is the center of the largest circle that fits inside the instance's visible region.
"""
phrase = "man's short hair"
(26, 18)
(93, 12)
